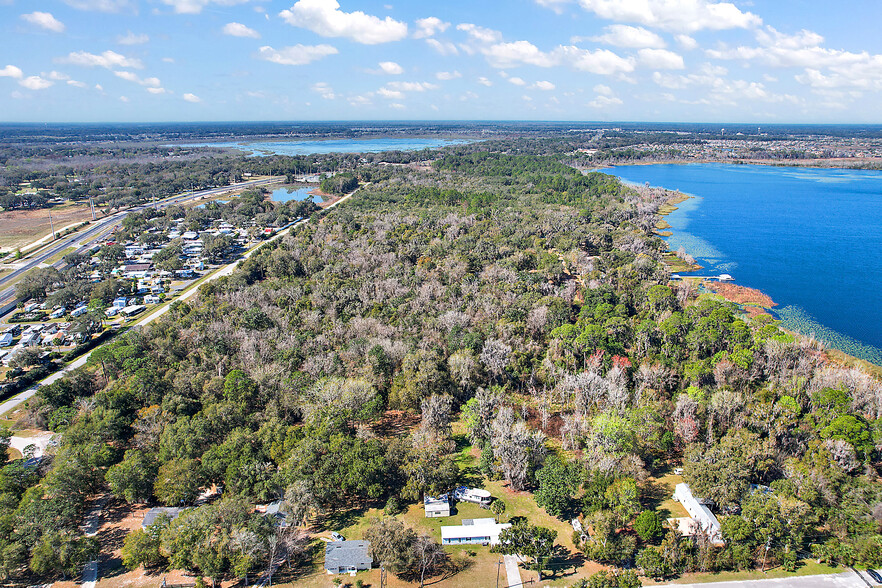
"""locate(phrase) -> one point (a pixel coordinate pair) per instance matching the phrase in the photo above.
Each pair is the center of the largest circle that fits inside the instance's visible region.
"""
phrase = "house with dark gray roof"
(171, 512)
(343, 557)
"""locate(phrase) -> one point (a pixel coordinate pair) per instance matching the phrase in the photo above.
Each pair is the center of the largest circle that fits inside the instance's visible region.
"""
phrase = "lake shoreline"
(841, 340)
(855, 164)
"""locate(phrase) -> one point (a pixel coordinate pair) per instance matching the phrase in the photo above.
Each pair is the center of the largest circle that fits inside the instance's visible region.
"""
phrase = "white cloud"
(517, 81)
(605, 101)
(192, 98)
(412, 86)
(660, 59)
(296, 54)
(686, 42)
(99, 5)
(10, 71)
(44, 20)
(397, 106)
(555, 5)
(480, 34)
(603, 90)
(99, 87)
(360, 100)
(76, 84)
(323, 89)
(168, 59)
(390, 94)
(108, 59)
(196, 6)
(237, 29)
(131, 38)
(391, 68)
(674, 15)
(484, 81)
(544, 85)
(35, 83)
(600, 61)
(447, 75)
(628, 36)
(131, 77)
(442, 47)
(124, 99)
(56, 76)
(518, 53)
(429, 27)
(325, 18)
(157, 90)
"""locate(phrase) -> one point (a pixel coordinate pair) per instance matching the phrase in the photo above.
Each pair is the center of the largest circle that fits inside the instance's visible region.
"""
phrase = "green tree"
(648, 526)
(177, 482)
(652, 563)
(534, 542)
(558, 481)
(142, 546)
(132, 479)
(392, 545)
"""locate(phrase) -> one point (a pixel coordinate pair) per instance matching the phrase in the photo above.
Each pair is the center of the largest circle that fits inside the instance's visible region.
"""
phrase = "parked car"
(335, 536)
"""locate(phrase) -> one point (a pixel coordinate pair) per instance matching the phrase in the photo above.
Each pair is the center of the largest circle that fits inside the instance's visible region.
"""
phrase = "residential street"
(844, 580)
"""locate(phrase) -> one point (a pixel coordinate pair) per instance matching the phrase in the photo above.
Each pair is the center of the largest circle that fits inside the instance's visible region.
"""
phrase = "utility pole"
(498, 564)
(52, 225)
(766, 552)
(92, 207)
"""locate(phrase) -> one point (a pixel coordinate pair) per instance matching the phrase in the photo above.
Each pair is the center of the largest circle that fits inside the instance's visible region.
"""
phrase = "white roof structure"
(473, 529)
(700, 513)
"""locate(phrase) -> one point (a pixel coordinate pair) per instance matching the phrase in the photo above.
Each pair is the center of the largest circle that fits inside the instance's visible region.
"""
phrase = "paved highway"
(84, 240)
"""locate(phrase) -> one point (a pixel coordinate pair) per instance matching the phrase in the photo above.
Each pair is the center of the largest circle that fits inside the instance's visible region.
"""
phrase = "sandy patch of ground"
(19, 228)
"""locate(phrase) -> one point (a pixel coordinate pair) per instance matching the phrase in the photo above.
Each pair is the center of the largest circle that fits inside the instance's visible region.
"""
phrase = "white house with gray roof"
(344, 557)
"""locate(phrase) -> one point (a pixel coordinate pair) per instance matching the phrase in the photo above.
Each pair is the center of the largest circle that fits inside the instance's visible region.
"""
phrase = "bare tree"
(429, 556)
(495, 355)
(518, 449)
(301, 502)
(463, 368)
(436, 415)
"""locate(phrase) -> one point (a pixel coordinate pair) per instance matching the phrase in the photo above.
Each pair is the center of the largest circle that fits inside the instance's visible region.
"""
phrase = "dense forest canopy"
(505, 292)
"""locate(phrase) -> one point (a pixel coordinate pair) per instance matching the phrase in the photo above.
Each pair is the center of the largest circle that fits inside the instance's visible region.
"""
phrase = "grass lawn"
(660, 491)
(475, 565)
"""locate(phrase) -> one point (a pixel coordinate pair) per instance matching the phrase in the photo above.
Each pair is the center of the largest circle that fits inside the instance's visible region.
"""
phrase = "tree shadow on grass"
(342, 518)
(654, 493)
(454, 565)
(564, 563)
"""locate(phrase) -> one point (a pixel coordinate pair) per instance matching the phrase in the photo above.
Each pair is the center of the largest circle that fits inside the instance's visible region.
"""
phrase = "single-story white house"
(701, 514)
(347, 557)
(473, 531)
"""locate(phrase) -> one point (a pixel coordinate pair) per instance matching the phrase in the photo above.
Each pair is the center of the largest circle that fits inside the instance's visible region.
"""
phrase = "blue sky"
(640, 60)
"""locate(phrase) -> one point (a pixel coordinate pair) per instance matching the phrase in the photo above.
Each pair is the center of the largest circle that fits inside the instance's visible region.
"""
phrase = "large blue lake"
(376, 145)
(809, 238)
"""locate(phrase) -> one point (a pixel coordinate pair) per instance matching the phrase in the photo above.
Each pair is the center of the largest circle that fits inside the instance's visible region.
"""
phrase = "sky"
(764, 61)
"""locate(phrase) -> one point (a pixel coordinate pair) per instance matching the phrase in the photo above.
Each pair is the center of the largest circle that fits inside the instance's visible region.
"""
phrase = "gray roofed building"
(342, 557)
(172, 512)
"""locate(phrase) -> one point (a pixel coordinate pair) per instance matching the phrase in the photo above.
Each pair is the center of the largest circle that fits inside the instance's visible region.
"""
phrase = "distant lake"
(809, 238)
(298, 194)
(334, 145)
